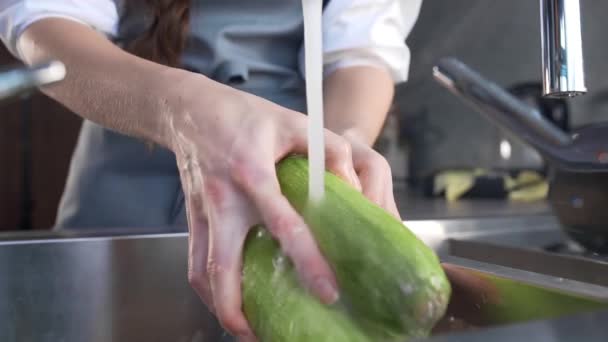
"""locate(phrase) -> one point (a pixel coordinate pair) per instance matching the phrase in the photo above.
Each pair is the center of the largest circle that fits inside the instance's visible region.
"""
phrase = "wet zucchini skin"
(392, 286)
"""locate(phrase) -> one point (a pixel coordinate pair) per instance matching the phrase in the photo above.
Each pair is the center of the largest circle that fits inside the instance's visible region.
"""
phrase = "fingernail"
(326, 291)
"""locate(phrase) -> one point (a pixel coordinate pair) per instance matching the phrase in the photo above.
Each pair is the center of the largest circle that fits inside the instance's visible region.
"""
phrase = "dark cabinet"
(37, 137)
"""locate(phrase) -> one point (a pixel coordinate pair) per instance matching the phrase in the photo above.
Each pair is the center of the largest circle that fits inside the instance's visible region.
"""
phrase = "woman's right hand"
(227, 144)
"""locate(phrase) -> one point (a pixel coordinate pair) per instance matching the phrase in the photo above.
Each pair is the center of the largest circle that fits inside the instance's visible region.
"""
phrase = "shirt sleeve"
(369, 33)
(17, 15)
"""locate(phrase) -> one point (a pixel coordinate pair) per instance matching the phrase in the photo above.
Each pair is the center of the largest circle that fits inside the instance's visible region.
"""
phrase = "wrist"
(177, 90)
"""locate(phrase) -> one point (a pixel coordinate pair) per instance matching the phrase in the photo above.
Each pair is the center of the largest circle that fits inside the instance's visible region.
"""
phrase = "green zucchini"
(392, 286)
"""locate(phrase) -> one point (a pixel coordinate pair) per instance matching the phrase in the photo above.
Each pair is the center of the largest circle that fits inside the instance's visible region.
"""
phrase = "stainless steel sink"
(531, 231)
(524, 243)
(134, 288)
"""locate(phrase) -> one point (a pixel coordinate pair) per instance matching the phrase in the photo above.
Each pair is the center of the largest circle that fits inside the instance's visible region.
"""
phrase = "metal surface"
(100, 289)
(540, 281)
(581, 152)
(17, 80)
(486, 295)
(562, 48)
(132, 288)
(576, 267)
(579, 202)
(520, 231)
(26, 237)
(588, 327)
(579, 178)
(504, 108)
(412, 206)
(531, 229)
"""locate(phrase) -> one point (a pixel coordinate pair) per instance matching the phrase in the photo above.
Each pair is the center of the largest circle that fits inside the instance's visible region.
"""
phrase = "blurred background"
(429, 130)
(37, 137)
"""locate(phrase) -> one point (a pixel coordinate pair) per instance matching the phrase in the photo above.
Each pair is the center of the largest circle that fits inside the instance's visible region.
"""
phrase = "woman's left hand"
(374, 174)
(356, 102)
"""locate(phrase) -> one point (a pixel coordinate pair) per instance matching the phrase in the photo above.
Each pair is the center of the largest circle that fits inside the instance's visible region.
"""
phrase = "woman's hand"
(374, 173)
(357, 100)
(227, 144)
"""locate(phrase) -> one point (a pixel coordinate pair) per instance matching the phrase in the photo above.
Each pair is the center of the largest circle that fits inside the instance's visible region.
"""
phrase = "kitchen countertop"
(134, 288)
(411, 205)
(416, 207)
(52, 288)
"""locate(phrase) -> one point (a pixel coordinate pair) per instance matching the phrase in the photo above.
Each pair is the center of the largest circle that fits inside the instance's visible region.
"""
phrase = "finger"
(338, 155)
(339, 158)
(198, 242)
(198, 246)
(229, 222)
(377, 183)
(389, 201)
(286, 225)
(372, 186)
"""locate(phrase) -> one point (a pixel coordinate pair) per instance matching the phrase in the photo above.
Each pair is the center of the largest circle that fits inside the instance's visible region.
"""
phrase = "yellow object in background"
(527, 186)
(456, 183)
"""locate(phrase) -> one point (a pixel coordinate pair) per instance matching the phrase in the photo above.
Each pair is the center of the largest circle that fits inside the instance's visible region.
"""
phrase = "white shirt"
(355, 32)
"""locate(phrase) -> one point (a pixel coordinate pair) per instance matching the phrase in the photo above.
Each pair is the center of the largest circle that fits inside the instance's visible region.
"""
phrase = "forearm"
(103, 83)
(357, 101)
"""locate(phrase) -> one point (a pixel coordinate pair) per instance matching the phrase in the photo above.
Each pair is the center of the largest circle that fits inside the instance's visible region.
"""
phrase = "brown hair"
(164, 39)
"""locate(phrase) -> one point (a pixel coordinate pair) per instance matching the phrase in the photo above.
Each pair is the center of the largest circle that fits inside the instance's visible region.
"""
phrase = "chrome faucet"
(562, 49)
(21, 79)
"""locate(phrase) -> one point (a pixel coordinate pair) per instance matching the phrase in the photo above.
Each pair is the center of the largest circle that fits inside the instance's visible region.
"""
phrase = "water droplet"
(559, 280)
(407, 289)
(260, 234)
(278, 262)
(436, 282)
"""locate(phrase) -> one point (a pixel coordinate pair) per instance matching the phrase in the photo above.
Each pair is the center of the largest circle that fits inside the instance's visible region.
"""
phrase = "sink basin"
(134, 288)
(488, 295)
